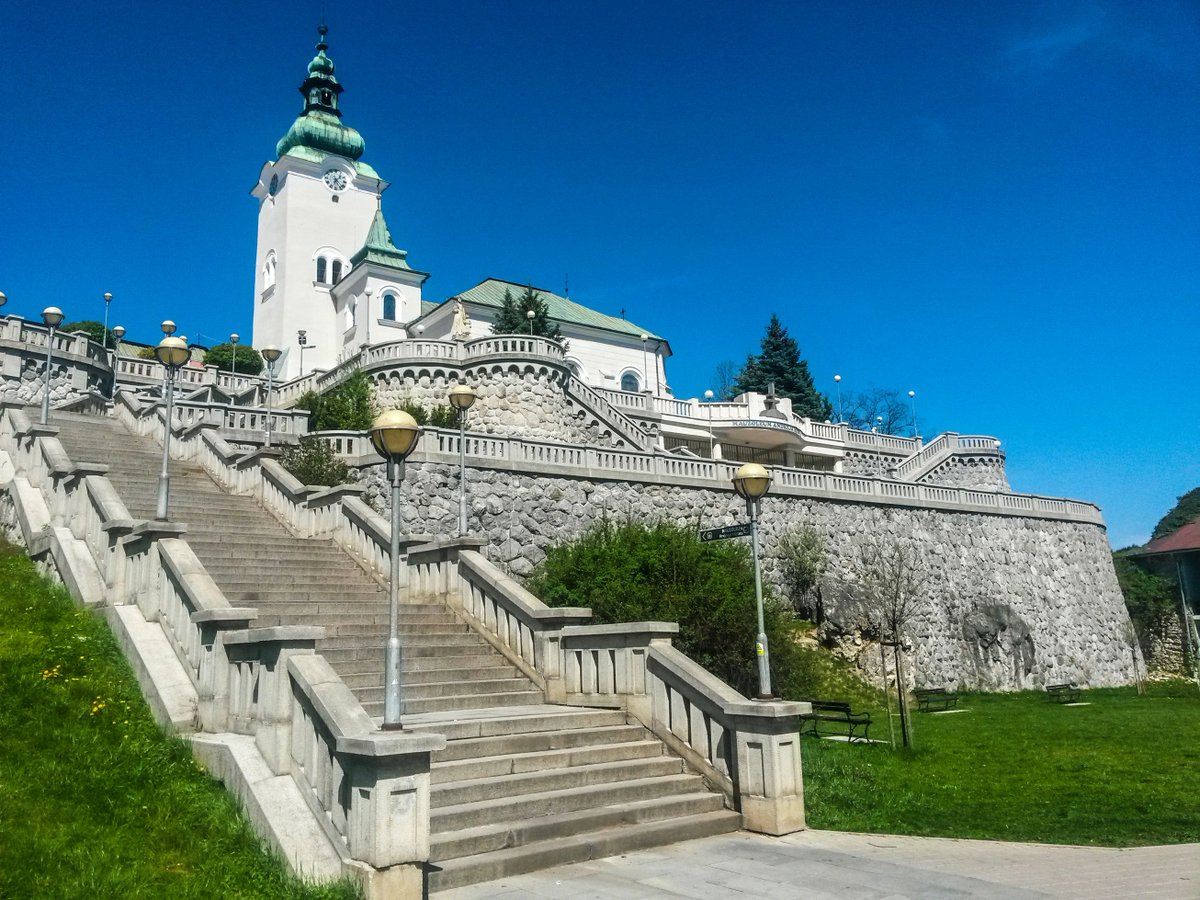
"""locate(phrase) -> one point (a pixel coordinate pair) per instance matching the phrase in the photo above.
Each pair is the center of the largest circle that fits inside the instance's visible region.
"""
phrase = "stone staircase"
(521, 784)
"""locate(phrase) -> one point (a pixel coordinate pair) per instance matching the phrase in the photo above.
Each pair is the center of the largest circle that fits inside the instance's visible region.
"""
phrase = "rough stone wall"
(527, 403)
(1165, 648)
(64, 384)
(864, 462)
(980, 473)
(1020, 602)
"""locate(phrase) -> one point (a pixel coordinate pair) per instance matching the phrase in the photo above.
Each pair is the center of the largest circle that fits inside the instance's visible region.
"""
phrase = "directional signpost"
(729, 531)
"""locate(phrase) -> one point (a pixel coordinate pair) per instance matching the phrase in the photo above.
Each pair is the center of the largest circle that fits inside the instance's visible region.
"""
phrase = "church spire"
(318, 127)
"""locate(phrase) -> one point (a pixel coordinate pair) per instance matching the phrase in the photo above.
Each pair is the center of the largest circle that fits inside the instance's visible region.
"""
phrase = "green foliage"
(348, 407)
(779, 361)
(145, 353)
(313, 462)
(1150, 598)
(1015, 767)
(1185, 511)
(437, 415)
(634, 573)
(249, 362)
(94, 331)
(513, 319)
(97, 802)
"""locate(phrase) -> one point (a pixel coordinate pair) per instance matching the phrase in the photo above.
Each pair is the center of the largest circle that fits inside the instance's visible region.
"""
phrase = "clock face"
(335, 180)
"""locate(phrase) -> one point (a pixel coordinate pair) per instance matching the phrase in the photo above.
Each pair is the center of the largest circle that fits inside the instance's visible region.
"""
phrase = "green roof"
(379, 247)
(491, 293)
(317, 156)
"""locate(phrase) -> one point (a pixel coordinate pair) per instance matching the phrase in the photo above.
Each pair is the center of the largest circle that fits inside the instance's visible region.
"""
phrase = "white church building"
(330, 276)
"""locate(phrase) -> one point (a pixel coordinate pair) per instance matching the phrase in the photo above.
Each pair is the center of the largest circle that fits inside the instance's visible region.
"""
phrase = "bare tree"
(724, 376)
(883, 409)
(890, 588)
(803, 559)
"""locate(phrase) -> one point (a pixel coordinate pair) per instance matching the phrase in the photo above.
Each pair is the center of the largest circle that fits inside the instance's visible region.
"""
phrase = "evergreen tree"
(513, 318)
(779, 362)
(1185, 511)
(221, 356)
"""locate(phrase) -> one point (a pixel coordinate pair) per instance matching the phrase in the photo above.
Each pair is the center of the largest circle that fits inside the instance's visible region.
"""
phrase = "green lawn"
(95, 801)
(1121, 771)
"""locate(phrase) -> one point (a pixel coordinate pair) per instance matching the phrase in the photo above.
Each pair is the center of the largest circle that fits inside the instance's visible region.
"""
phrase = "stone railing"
(578, 461)
(599, 404)
(80, 367)
(133, 370)
(942, 448)
(750, 751)
(238, 423)
(16, 330)
(370, 789)
(888, 443)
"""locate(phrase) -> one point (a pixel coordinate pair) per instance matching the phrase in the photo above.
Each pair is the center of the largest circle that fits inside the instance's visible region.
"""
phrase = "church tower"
(318, 204)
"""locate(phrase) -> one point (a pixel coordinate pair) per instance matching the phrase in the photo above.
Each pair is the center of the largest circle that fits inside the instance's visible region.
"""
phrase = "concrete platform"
(825, 864)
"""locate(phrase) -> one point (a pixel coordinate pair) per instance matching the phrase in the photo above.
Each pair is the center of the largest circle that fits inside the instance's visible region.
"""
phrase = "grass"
(1122, 771)
(95, 800)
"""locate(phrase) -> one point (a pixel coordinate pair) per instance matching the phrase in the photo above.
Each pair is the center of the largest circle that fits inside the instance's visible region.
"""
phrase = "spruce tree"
(779, 361)
(512, 318)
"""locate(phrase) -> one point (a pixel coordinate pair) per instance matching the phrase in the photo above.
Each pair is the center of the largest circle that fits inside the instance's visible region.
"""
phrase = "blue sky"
(996, 205)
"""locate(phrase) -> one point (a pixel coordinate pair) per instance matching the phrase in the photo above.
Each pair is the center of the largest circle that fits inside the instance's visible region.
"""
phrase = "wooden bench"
(1062, 693)
(929, 699)
(835, 718)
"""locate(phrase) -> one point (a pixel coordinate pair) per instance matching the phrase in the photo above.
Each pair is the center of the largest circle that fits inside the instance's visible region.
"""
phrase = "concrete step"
(489, 789)
(462, 645)
(372, 676)
(360, 603)
(538, 742)
(514, 763)
(540, 717)
(352, 623)
(373, 702)
(420, 686)
(430, 642)
(364, 658)
(578, 848)
(502, 836)
(446, 819)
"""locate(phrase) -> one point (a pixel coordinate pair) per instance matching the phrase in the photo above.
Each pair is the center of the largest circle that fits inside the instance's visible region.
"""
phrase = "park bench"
(834, 717)
(1062, 693)
(929, 699)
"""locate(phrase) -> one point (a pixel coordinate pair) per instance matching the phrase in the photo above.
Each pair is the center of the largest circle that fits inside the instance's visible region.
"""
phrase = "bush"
(249, 362)
(634, 573)
(348, 407)
(312, 462)
(1149, 598)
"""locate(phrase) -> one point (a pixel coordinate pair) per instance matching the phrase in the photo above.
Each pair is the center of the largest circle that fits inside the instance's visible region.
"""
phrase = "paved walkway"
(817, 865)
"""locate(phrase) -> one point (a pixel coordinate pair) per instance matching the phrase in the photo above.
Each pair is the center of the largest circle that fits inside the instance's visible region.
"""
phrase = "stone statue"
(462, 322)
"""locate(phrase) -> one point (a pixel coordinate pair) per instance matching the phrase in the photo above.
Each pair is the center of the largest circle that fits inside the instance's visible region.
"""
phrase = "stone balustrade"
(372, 788)
(571, 460)
(941, 449)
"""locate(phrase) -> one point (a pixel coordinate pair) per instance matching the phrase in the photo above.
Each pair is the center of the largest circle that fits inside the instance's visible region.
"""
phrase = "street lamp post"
(394, 435)
(53, 317)
(172, 352)
(752, 482)
(118, 333)
(462, 398)
(233, 340)
(302, 341)
(530, 315)
(367, 338)
(107, 303)
(912, 398)
(3, 298)
(271, 354)
(708, 396)
(837, 379)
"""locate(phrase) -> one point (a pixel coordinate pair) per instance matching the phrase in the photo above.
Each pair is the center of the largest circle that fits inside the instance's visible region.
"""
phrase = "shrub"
(439, 415)
(662, 572)
(1150, 598)
(312, 462)
(348, 407)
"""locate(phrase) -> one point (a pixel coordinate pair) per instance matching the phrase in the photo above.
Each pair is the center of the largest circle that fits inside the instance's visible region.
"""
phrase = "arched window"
(630, 382)
(337, 271)
(389, 307)
(321, 270)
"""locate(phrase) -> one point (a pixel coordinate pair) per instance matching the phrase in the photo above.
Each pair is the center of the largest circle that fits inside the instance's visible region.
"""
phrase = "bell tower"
(316, 203)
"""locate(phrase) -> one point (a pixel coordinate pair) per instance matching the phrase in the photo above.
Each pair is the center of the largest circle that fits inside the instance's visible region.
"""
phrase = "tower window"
(389, 307)
(321, 264)
(629, 382)
(337, 271)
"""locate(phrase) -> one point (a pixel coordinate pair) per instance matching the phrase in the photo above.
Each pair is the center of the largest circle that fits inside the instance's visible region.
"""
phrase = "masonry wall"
(1019, 602)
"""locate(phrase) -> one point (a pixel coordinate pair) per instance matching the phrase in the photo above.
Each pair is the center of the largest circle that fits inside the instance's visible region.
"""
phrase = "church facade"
(330, 278)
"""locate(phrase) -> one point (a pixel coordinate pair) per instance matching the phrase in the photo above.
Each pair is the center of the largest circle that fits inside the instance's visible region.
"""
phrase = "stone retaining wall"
(1020, 602)
(981, 473)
